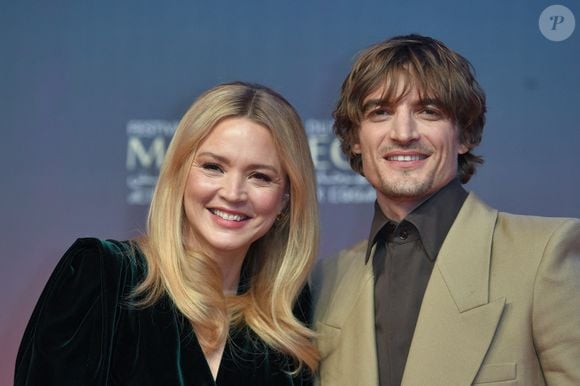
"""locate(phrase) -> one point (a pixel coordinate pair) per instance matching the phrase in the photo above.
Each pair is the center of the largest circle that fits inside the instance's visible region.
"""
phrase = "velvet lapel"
(457, 320)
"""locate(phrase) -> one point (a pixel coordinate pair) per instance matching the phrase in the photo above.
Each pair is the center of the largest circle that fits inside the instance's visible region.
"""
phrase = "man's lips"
(406, 157)
(228, 215)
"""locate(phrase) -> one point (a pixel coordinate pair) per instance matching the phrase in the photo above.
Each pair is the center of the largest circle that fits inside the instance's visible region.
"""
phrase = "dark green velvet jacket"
(84, 332)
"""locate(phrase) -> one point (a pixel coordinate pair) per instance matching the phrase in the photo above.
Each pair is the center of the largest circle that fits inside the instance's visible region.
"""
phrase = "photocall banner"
(91, 93)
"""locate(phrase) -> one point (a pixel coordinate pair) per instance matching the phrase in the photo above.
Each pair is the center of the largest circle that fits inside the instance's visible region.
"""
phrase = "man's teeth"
(406, 158)
(228, 216)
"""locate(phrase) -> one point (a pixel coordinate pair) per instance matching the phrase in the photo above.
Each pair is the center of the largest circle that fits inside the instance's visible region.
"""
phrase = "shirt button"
(403, 235)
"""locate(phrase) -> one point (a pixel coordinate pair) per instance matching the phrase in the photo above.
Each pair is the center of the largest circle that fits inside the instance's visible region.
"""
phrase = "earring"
(282, 217)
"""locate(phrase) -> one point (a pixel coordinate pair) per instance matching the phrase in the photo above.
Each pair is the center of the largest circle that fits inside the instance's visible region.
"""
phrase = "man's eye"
(431, 113)
(379, 111)
(378, 114)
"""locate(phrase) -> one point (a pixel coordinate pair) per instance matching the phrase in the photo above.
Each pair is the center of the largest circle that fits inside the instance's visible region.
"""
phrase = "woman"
(214, 294)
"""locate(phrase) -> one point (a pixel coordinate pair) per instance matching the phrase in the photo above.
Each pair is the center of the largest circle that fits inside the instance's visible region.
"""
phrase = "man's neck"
(398, 209)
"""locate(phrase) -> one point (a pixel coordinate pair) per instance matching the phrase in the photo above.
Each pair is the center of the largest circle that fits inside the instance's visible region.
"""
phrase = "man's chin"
(406, 190)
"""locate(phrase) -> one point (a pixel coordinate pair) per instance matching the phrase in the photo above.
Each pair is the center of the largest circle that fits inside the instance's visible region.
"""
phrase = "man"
(446, 291)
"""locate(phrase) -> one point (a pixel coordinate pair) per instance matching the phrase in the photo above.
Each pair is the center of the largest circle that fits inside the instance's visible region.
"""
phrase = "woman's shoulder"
(115, 251)
(107, 257)
(79, 307)
(94, 269)
(92, 276)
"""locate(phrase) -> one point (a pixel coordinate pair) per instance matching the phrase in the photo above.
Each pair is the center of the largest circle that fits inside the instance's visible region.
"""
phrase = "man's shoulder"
(346, 265)
(515, 226)
(537, 230)
(534, 221)
(345, 258)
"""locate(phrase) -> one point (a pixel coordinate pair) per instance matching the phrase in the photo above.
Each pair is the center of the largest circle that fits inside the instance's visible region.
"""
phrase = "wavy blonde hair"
(278, 264)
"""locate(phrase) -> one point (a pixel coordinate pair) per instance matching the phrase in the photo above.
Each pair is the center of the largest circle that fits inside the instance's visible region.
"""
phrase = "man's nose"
(404, 127)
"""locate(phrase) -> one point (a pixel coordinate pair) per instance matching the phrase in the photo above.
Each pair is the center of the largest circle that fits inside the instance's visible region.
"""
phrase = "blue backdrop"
(90, 92)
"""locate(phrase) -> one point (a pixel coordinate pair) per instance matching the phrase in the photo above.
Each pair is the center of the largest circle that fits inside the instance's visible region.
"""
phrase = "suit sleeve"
(556, 307)
(68, 339)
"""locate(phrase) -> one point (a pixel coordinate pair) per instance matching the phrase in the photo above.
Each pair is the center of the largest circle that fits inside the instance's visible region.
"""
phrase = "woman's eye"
(211, 167)
(262, 177)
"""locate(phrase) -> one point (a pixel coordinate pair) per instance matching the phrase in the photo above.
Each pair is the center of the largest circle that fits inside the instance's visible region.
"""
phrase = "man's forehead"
(392, 95)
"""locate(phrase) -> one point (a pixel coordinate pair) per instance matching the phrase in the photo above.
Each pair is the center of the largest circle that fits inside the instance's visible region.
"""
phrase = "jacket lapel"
(351, 309)
(457, 320)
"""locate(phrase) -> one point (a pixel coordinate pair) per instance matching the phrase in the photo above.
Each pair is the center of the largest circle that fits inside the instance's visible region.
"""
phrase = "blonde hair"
(277, 264)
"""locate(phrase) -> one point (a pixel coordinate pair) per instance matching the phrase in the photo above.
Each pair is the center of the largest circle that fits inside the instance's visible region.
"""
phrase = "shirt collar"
(432, 218)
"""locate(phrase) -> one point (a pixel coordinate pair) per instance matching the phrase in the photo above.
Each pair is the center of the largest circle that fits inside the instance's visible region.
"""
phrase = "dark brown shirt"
(402, 265)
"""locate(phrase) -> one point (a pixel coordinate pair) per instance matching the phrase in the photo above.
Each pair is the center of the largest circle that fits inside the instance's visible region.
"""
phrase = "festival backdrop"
(90, 93)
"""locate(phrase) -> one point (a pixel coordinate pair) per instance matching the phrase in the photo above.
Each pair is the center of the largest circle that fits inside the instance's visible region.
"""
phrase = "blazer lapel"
(457, 320)
(351, 309)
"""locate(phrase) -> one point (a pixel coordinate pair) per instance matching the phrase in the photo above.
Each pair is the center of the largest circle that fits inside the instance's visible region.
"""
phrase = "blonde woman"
(215, 292)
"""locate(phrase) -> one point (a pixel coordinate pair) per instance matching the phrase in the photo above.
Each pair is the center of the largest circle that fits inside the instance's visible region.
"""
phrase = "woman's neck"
(230, 268)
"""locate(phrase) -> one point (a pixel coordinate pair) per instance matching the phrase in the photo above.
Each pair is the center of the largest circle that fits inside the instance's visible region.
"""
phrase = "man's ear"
(356, 148)
(462, 149)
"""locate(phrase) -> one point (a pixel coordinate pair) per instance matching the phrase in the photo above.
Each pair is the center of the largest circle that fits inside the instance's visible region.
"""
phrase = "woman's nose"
(234, 188)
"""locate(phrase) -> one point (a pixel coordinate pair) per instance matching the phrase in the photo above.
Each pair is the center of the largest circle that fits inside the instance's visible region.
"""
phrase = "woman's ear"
(282, 213)
(284, 200)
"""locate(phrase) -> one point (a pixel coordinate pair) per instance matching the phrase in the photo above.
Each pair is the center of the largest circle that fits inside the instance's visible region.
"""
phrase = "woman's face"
(235, 189)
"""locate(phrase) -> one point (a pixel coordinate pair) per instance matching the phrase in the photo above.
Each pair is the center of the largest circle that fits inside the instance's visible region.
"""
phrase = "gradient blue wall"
(87, 87)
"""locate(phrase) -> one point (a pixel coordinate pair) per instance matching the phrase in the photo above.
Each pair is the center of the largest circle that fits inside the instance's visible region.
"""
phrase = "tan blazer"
(502, 307)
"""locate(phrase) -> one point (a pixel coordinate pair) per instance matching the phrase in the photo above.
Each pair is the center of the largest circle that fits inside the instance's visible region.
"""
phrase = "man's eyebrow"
(429, 102)
(372, 103)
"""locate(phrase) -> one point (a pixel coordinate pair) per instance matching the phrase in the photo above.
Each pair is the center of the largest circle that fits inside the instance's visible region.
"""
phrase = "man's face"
(409, 150)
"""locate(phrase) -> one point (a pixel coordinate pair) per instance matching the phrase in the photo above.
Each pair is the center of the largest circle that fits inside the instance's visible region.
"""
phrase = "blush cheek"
(268, 204)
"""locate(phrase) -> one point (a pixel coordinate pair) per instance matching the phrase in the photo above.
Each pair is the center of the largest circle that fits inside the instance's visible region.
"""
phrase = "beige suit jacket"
(502, 307)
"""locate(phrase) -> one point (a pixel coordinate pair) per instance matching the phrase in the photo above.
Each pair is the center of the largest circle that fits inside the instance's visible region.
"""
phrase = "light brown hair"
(436, 71)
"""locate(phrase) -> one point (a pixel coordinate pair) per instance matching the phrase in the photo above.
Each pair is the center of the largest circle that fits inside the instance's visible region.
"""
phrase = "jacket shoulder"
(73, 323)
(336, 266)
(339, 278)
